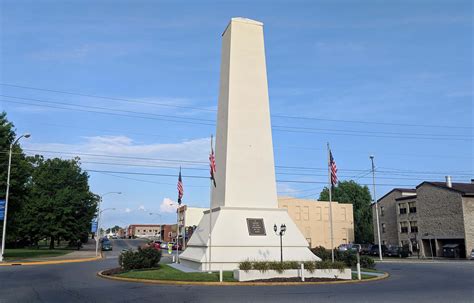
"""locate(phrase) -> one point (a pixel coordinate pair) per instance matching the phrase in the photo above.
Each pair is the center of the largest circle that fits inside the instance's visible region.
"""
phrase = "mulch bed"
(113, 271)
(295, 279)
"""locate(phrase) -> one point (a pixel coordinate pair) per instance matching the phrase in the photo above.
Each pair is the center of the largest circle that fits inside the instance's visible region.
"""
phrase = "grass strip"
(26, 253)
(166, 272)
(363, 276)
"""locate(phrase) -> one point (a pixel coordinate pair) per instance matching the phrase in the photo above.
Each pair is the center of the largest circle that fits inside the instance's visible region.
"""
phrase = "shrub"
(262, 266)
(277, 266)
(330, 265)
(310, 266)
(143, 258)
(322, 252)
(367, 262)
(245, 265)
(349, 257)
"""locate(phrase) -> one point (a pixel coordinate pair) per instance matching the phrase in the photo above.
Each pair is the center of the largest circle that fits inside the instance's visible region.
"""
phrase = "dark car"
(374, 250)
(397, 251)
(106, 246)
(365, 249)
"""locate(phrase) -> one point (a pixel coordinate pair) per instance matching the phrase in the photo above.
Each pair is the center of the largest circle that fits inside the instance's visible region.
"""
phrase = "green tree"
(359, 196)
(21, 169)
(61, 205)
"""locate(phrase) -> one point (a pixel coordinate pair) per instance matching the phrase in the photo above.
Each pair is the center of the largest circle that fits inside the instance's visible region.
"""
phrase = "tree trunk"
(59, 241)
(51, 243)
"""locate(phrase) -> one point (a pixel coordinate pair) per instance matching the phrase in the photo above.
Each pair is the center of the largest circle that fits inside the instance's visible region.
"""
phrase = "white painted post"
(220, 275)
(173, 258)
(358, 267)
(302, 272)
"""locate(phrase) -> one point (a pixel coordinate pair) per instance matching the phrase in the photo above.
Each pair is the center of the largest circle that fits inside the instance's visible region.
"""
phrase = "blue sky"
(405, 65)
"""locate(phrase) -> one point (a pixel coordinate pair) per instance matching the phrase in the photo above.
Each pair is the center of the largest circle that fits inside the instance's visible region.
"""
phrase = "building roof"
(403, 190)
(145, 225)
(406, 198)
(463, 188)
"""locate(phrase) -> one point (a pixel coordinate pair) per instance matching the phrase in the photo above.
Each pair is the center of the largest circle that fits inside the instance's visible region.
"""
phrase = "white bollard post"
(173, 258)
(358, 267)
(302, 272)
(220, 275)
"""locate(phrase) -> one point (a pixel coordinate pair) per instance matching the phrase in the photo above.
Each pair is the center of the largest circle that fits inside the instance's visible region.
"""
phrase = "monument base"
(239, 234)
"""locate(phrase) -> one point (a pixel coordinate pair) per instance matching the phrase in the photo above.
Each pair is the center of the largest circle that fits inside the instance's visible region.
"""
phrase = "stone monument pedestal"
(232, 242)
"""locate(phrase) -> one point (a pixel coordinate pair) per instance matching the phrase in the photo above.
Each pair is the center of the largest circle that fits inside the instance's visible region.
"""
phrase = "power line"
(180, 161)
(197, 121)
(213, 110)
(109, 98)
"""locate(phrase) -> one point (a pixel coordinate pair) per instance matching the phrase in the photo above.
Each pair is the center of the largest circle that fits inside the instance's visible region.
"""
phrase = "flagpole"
(210, 217)
(330, 203)
(177, 234)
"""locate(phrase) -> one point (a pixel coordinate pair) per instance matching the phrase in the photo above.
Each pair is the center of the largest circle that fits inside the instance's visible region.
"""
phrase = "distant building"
(312, 219)
(433, 216)
(388, 218)
(143, 231)
(310, 216)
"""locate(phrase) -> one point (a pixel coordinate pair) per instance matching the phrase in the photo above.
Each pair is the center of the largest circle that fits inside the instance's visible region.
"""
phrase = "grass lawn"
(165, 272)
(363, 276)
(27, 253)
(370, 270)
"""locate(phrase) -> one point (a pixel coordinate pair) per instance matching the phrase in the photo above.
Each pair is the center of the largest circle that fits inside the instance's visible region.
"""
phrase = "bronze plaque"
(256, 227)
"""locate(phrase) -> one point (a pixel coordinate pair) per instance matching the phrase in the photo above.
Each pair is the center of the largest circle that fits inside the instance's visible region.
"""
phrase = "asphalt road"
(77, 282)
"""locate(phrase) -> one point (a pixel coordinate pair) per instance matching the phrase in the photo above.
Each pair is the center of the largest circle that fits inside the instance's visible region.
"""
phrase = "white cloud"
(168, 206)
(187, 150)
(127, 210)
(142, 208)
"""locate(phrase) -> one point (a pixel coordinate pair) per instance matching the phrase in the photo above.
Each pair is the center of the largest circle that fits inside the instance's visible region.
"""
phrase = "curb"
(169, 282)
(50, 262)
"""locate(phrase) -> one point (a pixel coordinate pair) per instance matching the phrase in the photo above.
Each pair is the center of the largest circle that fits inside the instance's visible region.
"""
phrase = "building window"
(403, 227)
(383, 227)
(413, 226)
(412, 207)
(382, 212)
(403, 209)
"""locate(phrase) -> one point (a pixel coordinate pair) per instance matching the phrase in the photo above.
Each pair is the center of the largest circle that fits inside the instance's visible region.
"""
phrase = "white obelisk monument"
(244, 201)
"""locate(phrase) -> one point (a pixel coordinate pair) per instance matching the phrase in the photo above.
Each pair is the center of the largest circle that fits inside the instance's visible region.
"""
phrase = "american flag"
(333, 166)
(212, 165)
(180, 187)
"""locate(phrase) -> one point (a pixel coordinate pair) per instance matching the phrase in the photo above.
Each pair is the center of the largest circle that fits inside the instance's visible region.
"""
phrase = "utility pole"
(4, 232)
(376, 207)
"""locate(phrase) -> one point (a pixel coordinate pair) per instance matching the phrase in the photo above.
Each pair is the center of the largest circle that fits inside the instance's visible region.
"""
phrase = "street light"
(281, 233)
(26, 135)
(99, 212)
(376, 207)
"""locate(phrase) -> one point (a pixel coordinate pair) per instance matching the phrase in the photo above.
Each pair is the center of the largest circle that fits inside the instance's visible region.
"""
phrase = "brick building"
(143, 230)
(433, 215)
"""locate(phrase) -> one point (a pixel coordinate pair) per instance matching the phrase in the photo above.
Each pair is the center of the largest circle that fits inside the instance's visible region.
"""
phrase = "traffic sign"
(2, 209)
(94, 226)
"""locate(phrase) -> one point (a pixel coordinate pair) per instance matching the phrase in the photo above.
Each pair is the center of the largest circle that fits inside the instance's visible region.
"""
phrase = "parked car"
(164, 245)
(343, 247)
(356, 247)
(350, 246)
(374, 250)
(106, 245)
(365, 249)
(397, 251)
(177, 246)
(472, 254)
